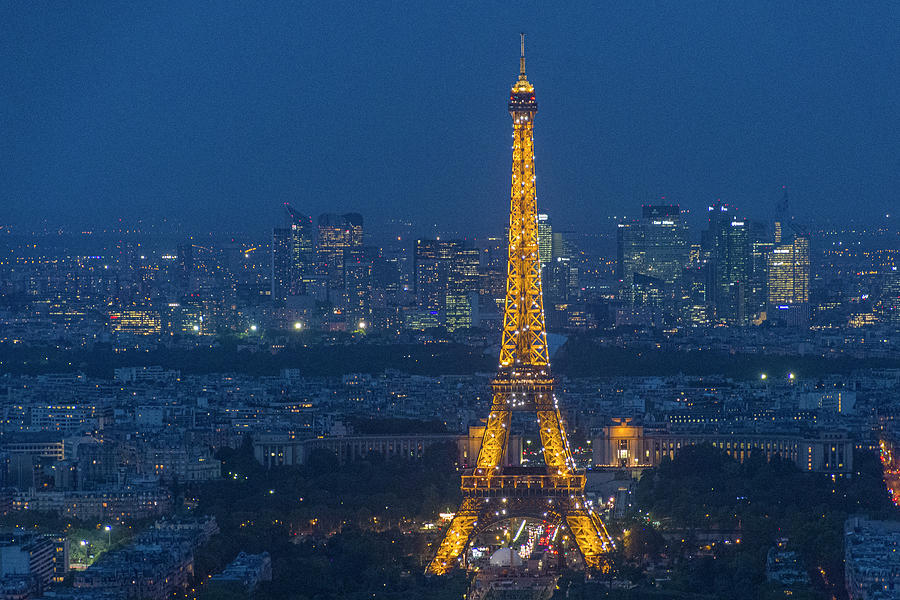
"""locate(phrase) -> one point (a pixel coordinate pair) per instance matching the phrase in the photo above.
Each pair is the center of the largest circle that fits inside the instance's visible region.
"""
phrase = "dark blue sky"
(216, 113)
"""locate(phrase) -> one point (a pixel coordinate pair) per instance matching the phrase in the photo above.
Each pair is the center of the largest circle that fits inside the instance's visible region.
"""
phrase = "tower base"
(478, 513)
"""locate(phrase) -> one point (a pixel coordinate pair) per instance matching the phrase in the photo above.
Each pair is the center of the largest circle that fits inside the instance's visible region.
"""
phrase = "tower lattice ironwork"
(493, 492)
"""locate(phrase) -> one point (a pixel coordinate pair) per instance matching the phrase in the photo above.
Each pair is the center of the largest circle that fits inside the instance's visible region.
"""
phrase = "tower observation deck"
(492, 491)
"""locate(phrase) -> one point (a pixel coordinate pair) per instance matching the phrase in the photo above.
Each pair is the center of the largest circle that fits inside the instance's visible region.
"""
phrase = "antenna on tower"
(522, 59)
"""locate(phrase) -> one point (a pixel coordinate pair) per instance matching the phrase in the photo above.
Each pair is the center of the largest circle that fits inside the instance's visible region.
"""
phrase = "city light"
(149, 359)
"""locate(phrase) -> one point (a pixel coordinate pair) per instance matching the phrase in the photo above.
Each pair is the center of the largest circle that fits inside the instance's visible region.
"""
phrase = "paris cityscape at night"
(285, 314)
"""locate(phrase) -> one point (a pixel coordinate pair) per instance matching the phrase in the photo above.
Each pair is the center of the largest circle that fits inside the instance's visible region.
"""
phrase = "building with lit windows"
(135, 322)
(727, 244)
(788, 281)
(359, 281)
(624, 444)
(871, 559)
(302, 250)
(293, 255)
(652, 254)
(545, 239)
(45, 558)
(337, 235)
(890, 297)
(111, 505)
(281, 263)
(447, 281)
(461, 304)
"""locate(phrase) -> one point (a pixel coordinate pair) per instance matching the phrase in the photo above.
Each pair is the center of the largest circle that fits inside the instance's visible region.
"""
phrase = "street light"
(108, 535)
(298, 325)
(253, 328)
(763, 376)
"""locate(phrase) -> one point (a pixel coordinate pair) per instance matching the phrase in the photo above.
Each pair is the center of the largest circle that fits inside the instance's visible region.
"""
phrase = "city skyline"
(640, 105)
(232, 391)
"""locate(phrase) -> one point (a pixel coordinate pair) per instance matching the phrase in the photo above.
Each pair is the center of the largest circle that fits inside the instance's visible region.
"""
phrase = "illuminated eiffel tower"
(491, 491)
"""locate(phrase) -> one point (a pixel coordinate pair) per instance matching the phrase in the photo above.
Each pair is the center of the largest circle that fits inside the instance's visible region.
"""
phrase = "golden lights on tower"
(523, 382)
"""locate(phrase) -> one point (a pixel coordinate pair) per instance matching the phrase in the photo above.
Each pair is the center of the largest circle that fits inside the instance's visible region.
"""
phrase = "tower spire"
(522, 59)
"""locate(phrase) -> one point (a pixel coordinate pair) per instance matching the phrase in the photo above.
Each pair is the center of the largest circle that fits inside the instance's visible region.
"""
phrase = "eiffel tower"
(491, 491)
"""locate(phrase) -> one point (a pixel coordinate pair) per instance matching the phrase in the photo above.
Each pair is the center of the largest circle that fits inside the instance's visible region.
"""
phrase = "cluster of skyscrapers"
(741, 272)
(411, 284)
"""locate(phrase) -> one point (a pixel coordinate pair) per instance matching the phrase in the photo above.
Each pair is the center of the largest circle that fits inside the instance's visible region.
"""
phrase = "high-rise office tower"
(561, 245)
(545, 239)
(447, 281)
(890, 297)
(565, 259)
(281, 264)
(432, 273)
(652, 253)
(782, 218)
(788, 269)
(788, 285)
(337, 234)
(303, 250)
(462, 289)
(728, 243)
(760, 247)
(293, 255)
(359, 277)
(185, 265)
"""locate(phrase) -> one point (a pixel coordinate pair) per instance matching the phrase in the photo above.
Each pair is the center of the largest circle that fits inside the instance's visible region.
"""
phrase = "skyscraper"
(293, 255)
(359, 271)
(728, 244)
(890, 297)
(788, 287)
(303, 250)
(545, 240)
(337, 234)
(432, 273)
(447, 281)
(782, 218)
(652, 254)
(760, 248)
(281, 264)
(788, 269)
(462, 289)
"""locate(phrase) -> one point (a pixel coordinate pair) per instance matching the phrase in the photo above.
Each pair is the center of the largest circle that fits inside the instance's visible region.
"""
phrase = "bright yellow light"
(253, 328)
(298, 325)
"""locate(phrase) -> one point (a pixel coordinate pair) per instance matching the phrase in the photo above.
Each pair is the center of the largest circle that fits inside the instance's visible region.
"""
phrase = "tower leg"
(496, 434)
(553, 437)
(591, 536)
(456, 538)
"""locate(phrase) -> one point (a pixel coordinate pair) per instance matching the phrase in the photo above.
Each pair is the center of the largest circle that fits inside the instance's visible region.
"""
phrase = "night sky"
(217, 113)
